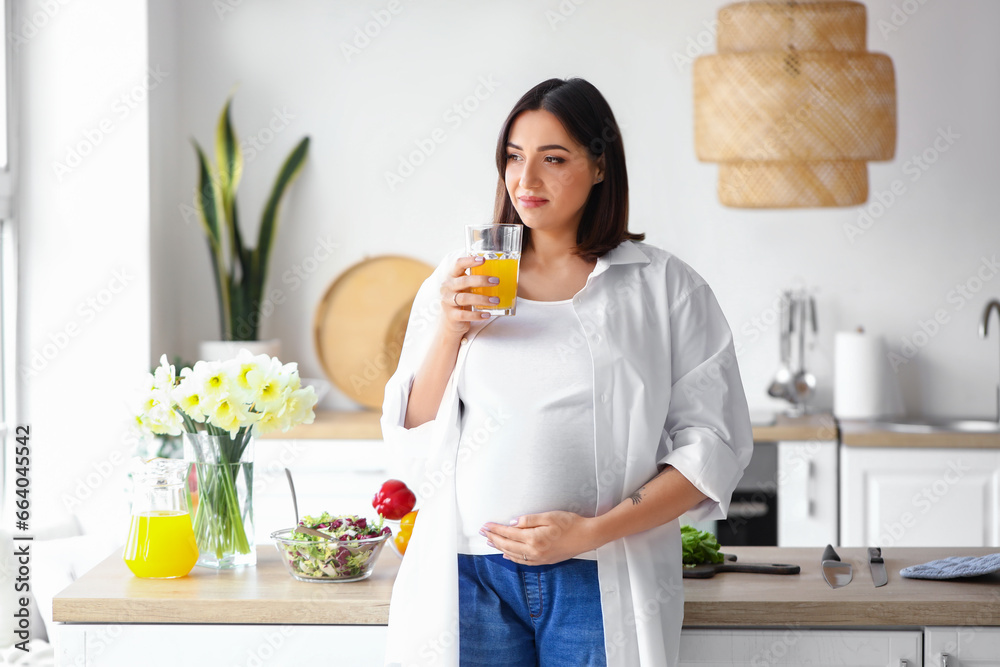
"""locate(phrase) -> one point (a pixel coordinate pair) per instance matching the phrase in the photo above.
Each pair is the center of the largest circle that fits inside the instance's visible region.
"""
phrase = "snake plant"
(240, 271)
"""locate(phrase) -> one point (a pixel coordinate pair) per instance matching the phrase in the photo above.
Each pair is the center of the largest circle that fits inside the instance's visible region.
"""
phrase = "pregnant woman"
(558, 447)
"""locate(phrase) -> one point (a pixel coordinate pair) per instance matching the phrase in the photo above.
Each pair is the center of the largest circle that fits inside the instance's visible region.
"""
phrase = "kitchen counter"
(335, 425)
(364, 425)
(862, 433)
(267, 594)
(789, 429)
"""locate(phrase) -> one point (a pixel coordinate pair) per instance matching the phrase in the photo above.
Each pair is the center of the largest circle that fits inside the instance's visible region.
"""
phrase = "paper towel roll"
(864, 386)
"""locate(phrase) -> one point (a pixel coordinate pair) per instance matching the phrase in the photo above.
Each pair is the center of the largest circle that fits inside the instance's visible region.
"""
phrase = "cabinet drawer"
(967, 647)
(799, 646)
(100, 645)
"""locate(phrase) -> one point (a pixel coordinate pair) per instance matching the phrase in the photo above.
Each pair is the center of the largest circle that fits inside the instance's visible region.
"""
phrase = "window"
(8, 250)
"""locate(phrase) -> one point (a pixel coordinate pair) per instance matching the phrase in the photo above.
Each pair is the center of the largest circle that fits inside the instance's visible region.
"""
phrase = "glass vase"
(222, 498)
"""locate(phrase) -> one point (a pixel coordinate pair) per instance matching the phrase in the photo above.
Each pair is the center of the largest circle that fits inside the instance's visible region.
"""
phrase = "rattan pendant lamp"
(793, 106)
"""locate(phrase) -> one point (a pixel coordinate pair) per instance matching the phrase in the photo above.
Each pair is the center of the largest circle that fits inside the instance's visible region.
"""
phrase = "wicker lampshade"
(793, 106)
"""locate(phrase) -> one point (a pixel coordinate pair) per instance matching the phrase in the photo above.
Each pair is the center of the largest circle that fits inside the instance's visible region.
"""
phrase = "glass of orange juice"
(500, 246)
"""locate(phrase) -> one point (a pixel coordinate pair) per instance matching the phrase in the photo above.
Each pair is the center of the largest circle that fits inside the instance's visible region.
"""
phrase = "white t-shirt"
(527, 442)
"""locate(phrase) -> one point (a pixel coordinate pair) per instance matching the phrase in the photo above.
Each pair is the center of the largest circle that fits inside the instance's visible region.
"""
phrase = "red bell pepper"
(394, 500)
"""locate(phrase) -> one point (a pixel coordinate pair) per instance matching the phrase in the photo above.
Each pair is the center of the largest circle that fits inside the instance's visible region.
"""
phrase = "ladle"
(781, 385)
(805, 382)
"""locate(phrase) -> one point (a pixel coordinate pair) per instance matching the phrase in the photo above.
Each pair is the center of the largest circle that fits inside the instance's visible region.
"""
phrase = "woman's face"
(549, 175)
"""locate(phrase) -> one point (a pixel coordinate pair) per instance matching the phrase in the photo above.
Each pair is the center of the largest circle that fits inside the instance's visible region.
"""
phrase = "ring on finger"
(455, 299)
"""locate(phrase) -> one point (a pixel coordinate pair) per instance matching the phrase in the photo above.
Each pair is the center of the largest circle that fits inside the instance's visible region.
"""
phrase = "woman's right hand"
(456, 299)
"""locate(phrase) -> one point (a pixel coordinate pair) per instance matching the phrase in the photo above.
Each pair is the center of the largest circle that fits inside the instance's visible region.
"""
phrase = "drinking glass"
(500, 247)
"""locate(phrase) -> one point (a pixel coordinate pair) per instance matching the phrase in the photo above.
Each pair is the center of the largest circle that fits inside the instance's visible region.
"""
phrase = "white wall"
(83, 325)
(79, 227)
(366, 111)
(95, 332)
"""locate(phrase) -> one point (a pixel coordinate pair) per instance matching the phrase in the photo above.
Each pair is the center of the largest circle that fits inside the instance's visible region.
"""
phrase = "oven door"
(753, 513)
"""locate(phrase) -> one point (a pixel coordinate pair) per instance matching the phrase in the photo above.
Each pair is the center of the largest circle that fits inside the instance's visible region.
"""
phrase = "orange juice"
(161, 545)
(506, 271)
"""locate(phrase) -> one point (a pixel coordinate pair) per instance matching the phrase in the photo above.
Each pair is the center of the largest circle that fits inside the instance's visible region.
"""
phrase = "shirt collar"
(625, 252)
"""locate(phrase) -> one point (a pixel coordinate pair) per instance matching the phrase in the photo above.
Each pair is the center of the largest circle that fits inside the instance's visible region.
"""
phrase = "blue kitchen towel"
(954, 567)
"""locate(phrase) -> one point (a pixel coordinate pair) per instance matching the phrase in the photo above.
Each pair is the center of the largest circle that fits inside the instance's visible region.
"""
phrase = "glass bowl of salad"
(349, 555)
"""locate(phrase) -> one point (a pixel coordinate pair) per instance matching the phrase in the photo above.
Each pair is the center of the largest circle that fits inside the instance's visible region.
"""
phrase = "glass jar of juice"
(160, 541)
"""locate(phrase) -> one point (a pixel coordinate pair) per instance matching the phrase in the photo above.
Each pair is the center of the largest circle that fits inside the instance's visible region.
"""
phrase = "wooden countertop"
(364, 425)
(860, 433)
(336, 425)
(267, 594)
(807, 427)
(109, 593)
(733, 599)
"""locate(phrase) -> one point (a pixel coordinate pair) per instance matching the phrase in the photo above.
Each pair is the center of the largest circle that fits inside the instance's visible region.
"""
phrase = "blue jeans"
(521, 615)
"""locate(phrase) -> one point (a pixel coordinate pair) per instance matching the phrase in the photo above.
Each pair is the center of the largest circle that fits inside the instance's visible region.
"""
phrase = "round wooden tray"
(360, 322)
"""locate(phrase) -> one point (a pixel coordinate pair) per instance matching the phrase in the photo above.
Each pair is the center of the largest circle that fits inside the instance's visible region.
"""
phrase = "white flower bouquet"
(220, 407)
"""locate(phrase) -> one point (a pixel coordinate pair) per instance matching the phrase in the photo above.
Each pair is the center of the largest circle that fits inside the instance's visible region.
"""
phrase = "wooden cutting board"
(360, 322)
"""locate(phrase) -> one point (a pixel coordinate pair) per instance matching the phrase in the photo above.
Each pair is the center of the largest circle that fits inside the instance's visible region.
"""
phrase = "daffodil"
(187, 396)
(269, 422)
(231, 414)
(157, 415)
(240, 368)
(267, 387)
(290, 373)
(164, 377)
(211, 377)
(299, 406)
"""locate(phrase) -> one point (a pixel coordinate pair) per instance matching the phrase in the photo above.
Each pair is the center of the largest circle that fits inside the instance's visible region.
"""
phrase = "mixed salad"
(356, 541)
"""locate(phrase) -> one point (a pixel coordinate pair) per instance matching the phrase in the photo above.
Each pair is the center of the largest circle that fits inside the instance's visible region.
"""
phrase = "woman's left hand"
(540, 539)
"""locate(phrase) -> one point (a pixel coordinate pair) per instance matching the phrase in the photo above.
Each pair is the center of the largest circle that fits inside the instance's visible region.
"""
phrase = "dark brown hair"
(587, 117)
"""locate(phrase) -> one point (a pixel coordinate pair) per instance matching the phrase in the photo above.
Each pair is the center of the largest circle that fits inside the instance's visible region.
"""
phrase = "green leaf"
(207, 201)
(244, 325)
(699, 547)
(228, 153)
(229, 157)
(269, 220)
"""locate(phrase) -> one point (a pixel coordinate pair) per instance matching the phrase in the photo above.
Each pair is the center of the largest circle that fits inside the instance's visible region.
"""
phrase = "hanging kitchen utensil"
(781, 384)
(836, 573)
(877, 566)
(804, 382)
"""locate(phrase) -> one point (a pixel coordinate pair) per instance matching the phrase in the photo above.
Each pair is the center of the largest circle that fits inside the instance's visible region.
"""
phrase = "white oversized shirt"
(527, 422)
(667, 391)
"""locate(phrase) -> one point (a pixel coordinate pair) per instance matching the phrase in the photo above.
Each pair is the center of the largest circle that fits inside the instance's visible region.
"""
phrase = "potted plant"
(240, 271)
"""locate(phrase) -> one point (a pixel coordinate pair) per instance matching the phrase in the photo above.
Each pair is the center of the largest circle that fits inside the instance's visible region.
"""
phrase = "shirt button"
(604, 398)
(597, 338)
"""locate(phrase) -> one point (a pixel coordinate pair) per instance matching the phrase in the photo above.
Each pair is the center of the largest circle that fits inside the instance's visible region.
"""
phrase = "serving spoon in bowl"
(302, 529)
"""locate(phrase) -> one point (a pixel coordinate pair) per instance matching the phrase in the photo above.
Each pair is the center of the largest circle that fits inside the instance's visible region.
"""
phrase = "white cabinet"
(800, 646)
(807, 493)
(964, 647)
(158, 645)
(900, 496)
